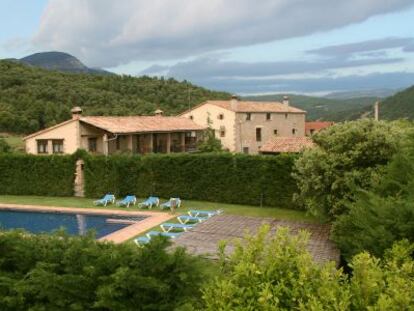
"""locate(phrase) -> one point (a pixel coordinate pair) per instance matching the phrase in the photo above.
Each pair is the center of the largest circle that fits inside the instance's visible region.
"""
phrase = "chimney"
(376, 111)
(76, 113)
(159, 113)
(285, 100)
(233, 102)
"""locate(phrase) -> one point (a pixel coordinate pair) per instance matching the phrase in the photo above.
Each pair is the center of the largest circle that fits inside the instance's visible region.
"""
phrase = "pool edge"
(152, 218)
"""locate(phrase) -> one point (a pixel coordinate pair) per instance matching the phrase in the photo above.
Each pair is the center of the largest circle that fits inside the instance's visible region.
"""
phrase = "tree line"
(32, 98)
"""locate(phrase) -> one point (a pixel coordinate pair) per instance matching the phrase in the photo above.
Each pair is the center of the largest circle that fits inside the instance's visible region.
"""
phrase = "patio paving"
(204, 238)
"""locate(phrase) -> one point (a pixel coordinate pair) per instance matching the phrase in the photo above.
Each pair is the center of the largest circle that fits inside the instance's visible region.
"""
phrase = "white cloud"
(108, 33)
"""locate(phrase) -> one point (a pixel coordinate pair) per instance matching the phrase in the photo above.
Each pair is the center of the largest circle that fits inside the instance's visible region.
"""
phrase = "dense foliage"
(227, 178)
(36, 175)
(210, 143)
(399, 105)
(4, 146)
(56, 272)
(383, 215)
(348, 157)
(277, 273)
(32, 98)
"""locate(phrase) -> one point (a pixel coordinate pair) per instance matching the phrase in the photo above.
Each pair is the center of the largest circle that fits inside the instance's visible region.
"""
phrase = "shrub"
(383, 215)
(348, 156)
(57, 272)
(277, 273)
(373, 224)
(274, 273)
(4, 146)
(211, 177)
(36, 175)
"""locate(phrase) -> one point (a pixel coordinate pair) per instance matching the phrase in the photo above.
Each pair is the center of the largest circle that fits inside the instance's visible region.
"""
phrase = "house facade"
(108, 135)
(244, 126)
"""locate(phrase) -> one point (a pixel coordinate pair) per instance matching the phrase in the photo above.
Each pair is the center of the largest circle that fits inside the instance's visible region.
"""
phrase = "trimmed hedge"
(36, 175)
(227, 178)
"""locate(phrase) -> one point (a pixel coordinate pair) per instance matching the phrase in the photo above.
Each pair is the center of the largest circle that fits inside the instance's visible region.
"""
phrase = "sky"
(239, 46)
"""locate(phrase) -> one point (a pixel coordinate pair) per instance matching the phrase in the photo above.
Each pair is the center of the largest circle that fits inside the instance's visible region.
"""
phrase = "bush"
(383, 215)
(348, 157)
(4, 146)
(211, 177)
(373, 224)
(57, 272)
(277, 273)
(36, 175)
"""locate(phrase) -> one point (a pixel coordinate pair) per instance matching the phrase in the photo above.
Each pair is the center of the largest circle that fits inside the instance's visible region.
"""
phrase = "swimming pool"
(74, 224)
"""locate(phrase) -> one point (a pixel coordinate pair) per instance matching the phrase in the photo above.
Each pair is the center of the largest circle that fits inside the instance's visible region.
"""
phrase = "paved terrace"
(204, 238)
(153, 218)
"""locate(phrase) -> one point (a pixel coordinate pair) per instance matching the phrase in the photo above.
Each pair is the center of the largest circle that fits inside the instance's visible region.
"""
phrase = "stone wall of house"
(221, 120)
(280, 124)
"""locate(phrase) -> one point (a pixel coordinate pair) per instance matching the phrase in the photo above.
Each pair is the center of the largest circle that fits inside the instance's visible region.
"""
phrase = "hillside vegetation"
(401, 105)
(32, 98)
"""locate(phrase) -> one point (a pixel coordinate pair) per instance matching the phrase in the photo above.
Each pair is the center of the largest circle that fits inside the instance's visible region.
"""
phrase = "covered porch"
(142, 143)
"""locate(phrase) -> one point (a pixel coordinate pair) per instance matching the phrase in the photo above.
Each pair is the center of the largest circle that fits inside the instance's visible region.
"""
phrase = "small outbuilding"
(278, 145)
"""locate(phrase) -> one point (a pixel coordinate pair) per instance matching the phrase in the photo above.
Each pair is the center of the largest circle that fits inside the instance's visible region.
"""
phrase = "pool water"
(74, 224)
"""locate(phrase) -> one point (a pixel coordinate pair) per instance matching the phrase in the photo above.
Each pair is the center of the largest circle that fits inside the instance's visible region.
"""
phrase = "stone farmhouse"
(108, 135)
(244, 126)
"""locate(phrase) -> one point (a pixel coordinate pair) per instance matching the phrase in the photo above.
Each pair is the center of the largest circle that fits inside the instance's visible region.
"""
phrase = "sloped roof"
(251, 106)
(287, 144)
(138, 124)
(318, 125)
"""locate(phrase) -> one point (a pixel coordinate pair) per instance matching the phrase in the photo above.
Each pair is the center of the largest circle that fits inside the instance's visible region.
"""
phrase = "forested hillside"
(32, 98)
(401, 105)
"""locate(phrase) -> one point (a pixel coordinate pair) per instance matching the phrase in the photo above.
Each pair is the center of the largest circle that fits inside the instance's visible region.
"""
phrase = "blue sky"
(312, 46)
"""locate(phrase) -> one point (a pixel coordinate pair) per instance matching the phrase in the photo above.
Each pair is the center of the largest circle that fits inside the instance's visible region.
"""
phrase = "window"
(57, 146)
(191, 117)
(286, 115)
(293, 131)
(42, 146)
(246, 150)
(258, 134)
(220, 116)
(275, 132)
(312, 131)
(92, 142)
(248, 116)
(268, 116)
(222, 131)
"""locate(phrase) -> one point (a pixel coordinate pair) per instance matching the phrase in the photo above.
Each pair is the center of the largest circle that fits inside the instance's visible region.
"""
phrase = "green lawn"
(233, 209)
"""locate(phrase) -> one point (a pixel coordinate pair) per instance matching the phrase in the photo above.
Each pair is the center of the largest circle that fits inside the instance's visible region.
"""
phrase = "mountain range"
(59, 61)
(37, 91)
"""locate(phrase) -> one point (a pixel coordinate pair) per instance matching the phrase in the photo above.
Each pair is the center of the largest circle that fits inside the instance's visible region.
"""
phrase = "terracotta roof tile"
(287, 144)
(251, 106)
(319, 125)
(137, 124)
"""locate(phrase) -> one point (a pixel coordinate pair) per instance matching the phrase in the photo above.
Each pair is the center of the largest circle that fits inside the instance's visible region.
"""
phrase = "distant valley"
(39, 90)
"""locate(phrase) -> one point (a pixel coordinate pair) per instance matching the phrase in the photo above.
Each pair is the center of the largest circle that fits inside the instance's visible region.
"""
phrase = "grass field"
(15, 141)
(232, 209)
